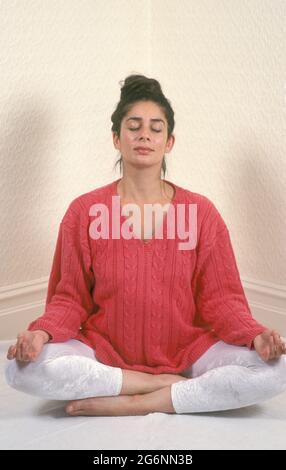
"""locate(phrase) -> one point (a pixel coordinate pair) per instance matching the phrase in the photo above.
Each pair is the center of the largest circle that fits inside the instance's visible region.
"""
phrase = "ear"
(116, 141)
(170, 143)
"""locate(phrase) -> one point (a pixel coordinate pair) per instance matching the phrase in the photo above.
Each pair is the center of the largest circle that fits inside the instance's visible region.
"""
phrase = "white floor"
(27, 422)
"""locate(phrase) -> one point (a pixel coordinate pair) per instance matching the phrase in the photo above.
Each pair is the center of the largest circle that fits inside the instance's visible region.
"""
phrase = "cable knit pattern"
(129, 295)
(146, 306)
(157, 292)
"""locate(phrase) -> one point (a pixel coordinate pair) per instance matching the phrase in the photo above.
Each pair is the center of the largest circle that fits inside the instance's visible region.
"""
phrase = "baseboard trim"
(267, 302)
(20, 304)
(23, 302)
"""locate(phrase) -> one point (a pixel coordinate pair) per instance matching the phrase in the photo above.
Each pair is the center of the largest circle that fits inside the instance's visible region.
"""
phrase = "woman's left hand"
(269, 345)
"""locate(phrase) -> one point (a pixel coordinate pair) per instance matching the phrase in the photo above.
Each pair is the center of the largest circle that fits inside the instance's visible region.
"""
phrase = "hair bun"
(139, 85)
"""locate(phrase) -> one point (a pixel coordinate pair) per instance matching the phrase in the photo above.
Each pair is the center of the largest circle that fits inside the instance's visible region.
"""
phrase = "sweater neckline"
(174, 200)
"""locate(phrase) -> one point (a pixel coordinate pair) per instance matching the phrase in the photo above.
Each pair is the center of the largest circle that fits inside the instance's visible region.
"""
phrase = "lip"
(143, 149)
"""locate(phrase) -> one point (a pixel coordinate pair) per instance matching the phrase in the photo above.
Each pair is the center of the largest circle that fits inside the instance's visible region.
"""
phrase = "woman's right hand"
(29, 345)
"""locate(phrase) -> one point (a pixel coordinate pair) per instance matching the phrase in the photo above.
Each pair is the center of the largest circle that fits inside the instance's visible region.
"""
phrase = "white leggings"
(224, 377)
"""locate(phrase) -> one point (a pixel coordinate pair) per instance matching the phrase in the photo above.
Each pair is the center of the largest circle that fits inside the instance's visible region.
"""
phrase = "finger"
(10, 349)
(272, 347)
(276, 338)
(265, 354)
(20, 348)
(279, 343)
(280, 349)
(26, 350)
(275, 332)
(273, 352)
(30, 355)
(276, 352)
(33, 356)
(11, 352)
(23, 348)
(25, 354)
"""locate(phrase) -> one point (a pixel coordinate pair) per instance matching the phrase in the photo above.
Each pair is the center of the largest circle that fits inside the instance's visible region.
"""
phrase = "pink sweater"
(149, 306)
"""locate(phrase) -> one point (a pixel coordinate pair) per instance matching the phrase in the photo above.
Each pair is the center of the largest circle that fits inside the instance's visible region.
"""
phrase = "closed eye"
(137, 130)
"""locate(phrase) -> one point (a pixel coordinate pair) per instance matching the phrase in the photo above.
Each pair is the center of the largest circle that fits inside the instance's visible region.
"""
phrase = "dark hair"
(141, 88)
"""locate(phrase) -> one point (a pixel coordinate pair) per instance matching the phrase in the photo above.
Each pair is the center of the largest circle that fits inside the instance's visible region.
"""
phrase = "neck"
(143, 189)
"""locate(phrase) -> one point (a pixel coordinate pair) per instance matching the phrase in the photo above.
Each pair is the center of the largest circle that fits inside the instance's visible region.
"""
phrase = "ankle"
(169, 379)
(135, 382)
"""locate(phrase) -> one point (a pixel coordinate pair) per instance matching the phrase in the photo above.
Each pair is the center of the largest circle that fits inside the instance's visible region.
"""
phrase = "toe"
(71, 408)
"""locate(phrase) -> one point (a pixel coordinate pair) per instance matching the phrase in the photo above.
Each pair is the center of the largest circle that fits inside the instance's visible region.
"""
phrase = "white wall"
(61, 63)
(222, 64)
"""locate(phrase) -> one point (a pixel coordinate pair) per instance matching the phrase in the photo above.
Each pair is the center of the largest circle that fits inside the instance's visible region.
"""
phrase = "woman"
(139, 324)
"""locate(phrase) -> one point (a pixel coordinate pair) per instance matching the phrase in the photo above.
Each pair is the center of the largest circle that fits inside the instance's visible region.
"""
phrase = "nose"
(144, 139)
(144, 134)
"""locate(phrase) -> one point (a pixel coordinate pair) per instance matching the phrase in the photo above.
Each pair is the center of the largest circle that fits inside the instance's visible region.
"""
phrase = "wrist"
(44, 334)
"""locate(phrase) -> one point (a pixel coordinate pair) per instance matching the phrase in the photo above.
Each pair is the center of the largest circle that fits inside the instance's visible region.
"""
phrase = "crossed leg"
(65, 371)
(224, 377)
(228, 377)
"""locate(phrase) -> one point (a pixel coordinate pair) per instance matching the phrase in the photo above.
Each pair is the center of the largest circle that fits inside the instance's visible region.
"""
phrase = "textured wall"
(224, 65)
(61, 62)
(220, 62)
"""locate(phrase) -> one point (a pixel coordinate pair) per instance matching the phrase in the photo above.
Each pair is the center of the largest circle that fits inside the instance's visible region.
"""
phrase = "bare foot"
(121, 405)
(124, 405)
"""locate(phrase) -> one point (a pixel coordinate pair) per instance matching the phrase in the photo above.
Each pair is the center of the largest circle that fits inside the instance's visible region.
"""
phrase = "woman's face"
(144, 125)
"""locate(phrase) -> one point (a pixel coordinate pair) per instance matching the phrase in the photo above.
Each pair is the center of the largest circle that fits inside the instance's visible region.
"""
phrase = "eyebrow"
(140, 119)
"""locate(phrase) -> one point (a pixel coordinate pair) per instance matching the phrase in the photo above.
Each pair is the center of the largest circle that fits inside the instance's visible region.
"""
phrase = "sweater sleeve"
(69, 300)
(220, 298)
